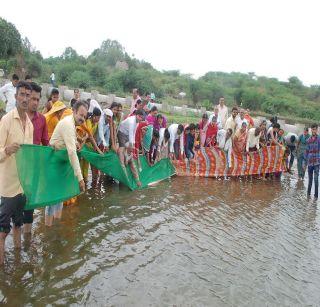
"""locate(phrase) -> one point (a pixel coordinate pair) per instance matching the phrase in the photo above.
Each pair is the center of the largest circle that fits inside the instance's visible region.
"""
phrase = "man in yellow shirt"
(15, 129)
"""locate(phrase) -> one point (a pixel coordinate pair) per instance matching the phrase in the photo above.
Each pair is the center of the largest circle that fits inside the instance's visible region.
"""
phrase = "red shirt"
(40, 130)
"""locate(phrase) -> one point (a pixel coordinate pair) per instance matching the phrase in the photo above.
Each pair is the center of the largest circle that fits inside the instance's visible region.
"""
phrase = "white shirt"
(7, 94)
(52, 77)
(219, 123)
(252, 140)
(173, 130)
(161, 137)
(239, 122)
(224, 145)
(223, 114)
(128, 127)
(231, 123)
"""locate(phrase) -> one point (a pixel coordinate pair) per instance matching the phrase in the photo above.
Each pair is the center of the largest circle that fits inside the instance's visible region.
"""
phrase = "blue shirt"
(312, 153)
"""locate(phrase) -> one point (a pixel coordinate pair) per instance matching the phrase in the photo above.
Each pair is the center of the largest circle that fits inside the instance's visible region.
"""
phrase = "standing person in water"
(15, 129)
(312, 156)
(301, 148)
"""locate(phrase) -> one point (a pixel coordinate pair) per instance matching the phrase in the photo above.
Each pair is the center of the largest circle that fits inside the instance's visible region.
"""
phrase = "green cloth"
(47, 177)
(109, 164)
(147, 138)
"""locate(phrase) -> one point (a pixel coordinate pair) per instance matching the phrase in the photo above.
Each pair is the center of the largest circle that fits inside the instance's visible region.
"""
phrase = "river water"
(184, 242)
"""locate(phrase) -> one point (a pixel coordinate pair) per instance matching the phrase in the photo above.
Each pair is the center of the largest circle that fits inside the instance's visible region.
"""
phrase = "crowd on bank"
(144, 131)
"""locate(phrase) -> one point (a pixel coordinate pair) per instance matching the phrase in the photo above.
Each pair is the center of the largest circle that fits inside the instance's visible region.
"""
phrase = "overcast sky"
(275, 38)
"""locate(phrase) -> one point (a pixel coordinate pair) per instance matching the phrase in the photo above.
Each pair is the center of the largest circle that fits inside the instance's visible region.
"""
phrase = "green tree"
(10, 39)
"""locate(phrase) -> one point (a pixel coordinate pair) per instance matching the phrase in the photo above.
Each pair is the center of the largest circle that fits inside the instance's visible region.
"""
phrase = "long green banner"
(47, 177)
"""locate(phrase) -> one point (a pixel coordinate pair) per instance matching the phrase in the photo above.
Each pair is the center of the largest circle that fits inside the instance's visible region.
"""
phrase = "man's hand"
(11, 149)
(99, 151)
(82, 185)
(171, 155)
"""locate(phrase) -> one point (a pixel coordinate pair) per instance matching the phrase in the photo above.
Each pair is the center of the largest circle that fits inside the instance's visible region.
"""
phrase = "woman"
(54, 116)
(211, 133)
(240, 139)
(263, 134)
(163, 148)
(203, 128)
(161, 122)
(114, 126)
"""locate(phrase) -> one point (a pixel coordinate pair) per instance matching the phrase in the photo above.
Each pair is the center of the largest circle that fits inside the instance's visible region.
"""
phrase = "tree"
(80, 79)
(10, 39)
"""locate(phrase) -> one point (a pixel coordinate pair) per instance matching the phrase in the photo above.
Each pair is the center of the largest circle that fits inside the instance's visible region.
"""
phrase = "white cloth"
(101, 124)
(128, 127)
(231, 124)
(219, 123)
(7, 94)
(161, 137)
(252, 140)
(52, 77)
(223, 113)
(173, 130)
(224, 145)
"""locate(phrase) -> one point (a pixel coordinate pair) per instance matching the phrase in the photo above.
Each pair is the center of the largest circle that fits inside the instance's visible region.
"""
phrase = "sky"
(271, 38)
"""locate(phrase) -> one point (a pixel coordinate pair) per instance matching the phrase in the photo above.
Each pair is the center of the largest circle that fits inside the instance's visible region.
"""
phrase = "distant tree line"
(100, 71)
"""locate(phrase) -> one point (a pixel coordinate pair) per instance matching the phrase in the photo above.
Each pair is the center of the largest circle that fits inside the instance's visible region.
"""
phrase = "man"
(106, 124)
(224, 139)
(312, 156)
(301, 148)
(65, 136)
(127, 130)
(253, 139)
(291, 140)
(223, 111)
(240, 119)
(8, 92)
(231, 122)
(15, 129)
(40, 137)
(76, 97)
(176, 140)
(272, 134)
(152, 117)
(190, 141)
(28, 78)
(135, 98)
(53, 79)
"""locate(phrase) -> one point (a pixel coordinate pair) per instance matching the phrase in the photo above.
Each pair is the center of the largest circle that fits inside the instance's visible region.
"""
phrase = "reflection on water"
(183, 242)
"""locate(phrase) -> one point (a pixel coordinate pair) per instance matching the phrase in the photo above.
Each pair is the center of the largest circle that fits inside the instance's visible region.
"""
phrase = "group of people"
(144, 131)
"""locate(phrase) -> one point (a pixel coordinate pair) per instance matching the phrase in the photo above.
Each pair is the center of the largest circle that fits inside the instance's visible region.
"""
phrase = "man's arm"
(45, 136)
(69, 138)
(100, 131)
(3, 139)
(3, 91)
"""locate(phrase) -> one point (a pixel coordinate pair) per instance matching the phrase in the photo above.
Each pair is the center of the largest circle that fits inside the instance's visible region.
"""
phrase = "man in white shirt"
(176, 137)
(104, 143)
(231, 122)
(8, 92)
(253, 139)
(53, 79)
(291, 140)
(240, 119)
(135, 98)
(223, 111)
(224, 140)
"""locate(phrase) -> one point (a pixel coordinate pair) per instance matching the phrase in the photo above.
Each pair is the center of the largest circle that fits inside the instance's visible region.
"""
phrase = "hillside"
(110, 69)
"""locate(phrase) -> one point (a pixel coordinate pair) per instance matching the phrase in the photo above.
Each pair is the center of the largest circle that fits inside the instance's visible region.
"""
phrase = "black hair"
(192, 126)
(72, 102)
(79, 104)
(181, 128)
(197, 126)
(139, 112)
(154, 108)
(76, 90)
(314, 126)
(147, 93)
(276, 125)
(119, 105)
(229, 129)
(139, 101)
(24, 84)
(159, 116)
(306, 129)
(36, 88)
(292, 138)
(166, 134)
(205, 115)
(15, 77)
(114, 105)
(28, 77)
(156, 133)
(234, 109)
(96, 112)
(187, 129)
(55, 91)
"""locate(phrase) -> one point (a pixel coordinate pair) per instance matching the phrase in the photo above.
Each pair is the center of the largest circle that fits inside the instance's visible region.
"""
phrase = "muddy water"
(185, 242)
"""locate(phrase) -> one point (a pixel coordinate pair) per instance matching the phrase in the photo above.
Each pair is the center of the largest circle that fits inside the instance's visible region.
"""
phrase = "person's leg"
(176, 148)
(299, 166)
(292, 148)
(316, 180)
(310, 175)
(5, 216)
(303, 167)
(49, 212)
(27, 221)
(58, 211)
(17, 218)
